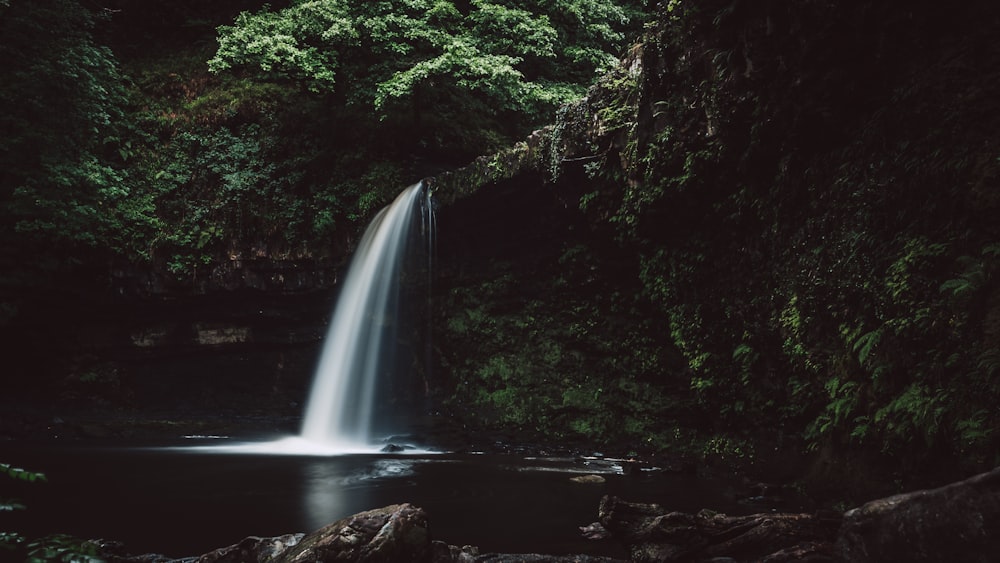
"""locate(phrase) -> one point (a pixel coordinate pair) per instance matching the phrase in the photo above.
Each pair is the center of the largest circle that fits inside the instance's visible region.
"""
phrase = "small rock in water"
(587, 479)
(595, 531)
(392, 448)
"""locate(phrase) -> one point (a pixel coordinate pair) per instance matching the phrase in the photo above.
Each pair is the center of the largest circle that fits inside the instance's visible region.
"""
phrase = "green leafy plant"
(501, 61)
(46, 549)
(13, 541)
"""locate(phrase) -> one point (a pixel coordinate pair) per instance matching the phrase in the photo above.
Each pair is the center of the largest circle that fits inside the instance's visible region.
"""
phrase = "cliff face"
(212, 358)
(789, 208)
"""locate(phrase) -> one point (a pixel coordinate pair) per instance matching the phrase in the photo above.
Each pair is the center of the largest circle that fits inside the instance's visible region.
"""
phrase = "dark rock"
(958, 523)
(252, 549)
(806, 552)
(538, 558)
(392, 448)
(588, 479)
(653, 533)
(595, 531)
(631, 467)
(444, 553)
(396, 534)
(114, 552)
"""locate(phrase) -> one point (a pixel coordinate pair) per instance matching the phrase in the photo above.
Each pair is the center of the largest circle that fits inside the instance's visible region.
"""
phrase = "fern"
(972, 278)
(975, 273)
(917, 411)
(989, 362)
(861, 428)
(866, 344)
(973, 431)
(844, 396)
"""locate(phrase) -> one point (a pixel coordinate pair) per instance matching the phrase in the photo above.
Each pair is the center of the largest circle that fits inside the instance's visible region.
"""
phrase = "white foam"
(296, 445)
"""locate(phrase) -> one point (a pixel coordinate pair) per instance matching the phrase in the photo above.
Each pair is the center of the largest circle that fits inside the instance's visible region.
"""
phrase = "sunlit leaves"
(431, 57)
(467, 67)
(503, 29)
(303, 41)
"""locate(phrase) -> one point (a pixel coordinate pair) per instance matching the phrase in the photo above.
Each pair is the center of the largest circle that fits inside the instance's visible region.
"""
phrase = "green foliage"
(914, 417)
(838, 285)
(728, 448)
(163, 162)
(233, 167)
(841, 408)
(568, 369)
(62, 181)
(306, 39)
(63, 548)
(431, 60)
(975, 274)
(21, 474)
(54, 547)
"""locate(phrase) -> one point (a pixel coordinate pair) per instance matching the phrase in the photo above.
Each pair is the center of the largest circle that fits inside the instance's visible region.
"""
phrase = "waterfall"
(359, 355)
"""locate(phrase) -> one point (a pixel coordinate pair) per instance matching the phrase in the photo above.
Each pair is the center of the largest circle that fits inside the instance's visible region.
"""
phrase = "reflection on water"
(333, 488)
(202, 501)
(326, 488)
(570, 465)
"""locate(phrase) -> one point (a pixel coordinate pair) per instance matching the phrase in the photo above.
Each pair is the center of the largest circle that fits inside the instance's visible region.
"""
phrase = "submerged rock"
(588, 479)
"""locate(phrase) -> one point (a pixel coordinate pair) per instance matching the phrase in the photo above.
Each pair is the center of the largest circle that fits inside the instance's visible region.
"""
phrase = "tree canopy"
(63, 97)
(432, 61)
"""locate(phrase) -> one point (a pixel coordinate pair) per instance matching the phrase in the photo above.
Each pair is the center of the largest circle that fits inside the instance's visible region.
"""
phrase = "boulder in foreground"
(958, 523)
(396, 533)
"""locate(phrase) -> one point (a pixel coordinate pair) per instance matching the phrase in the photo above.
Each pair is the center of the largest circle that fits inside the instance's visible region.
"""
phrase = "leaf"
(866, 344)
(21, 474)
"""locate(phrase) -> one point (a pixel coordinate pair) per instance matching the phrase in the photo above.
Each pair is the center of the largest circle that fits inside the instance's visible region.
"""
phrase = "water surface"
(187, 502)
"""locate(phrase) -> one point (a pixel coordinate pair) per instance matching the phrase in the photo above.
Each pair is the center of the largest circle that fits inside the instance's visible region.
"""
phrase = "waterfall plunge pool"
(184, 501)
(187, 499)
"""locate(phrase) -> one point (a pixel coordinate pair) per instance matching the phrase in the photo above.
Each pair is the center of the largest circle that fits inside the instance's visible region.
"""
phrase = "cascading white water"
(363, 332)
(360, 351)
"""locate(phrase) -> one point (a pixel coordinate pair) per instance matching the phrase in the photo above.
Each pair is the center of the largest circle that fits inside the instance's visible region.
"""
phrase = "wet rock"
(396, 533)
(595, 531)
(653, 533)
(392, 448)
(631, 467)
(444, 553)
(588, 479)
(538, 558)
(958, 523)
(252, 549)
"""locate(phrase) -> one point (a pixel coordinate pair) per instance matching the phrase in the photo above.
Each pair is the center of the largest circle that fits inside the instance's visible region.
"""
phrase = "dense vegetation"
(807, 195)
(152, 157)
(780, 233)
(144, 154)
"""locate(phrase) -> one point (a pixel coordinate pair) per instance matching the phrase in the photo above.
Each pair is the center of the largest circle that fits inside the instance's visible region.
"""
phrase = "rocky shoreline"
(959, 522)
